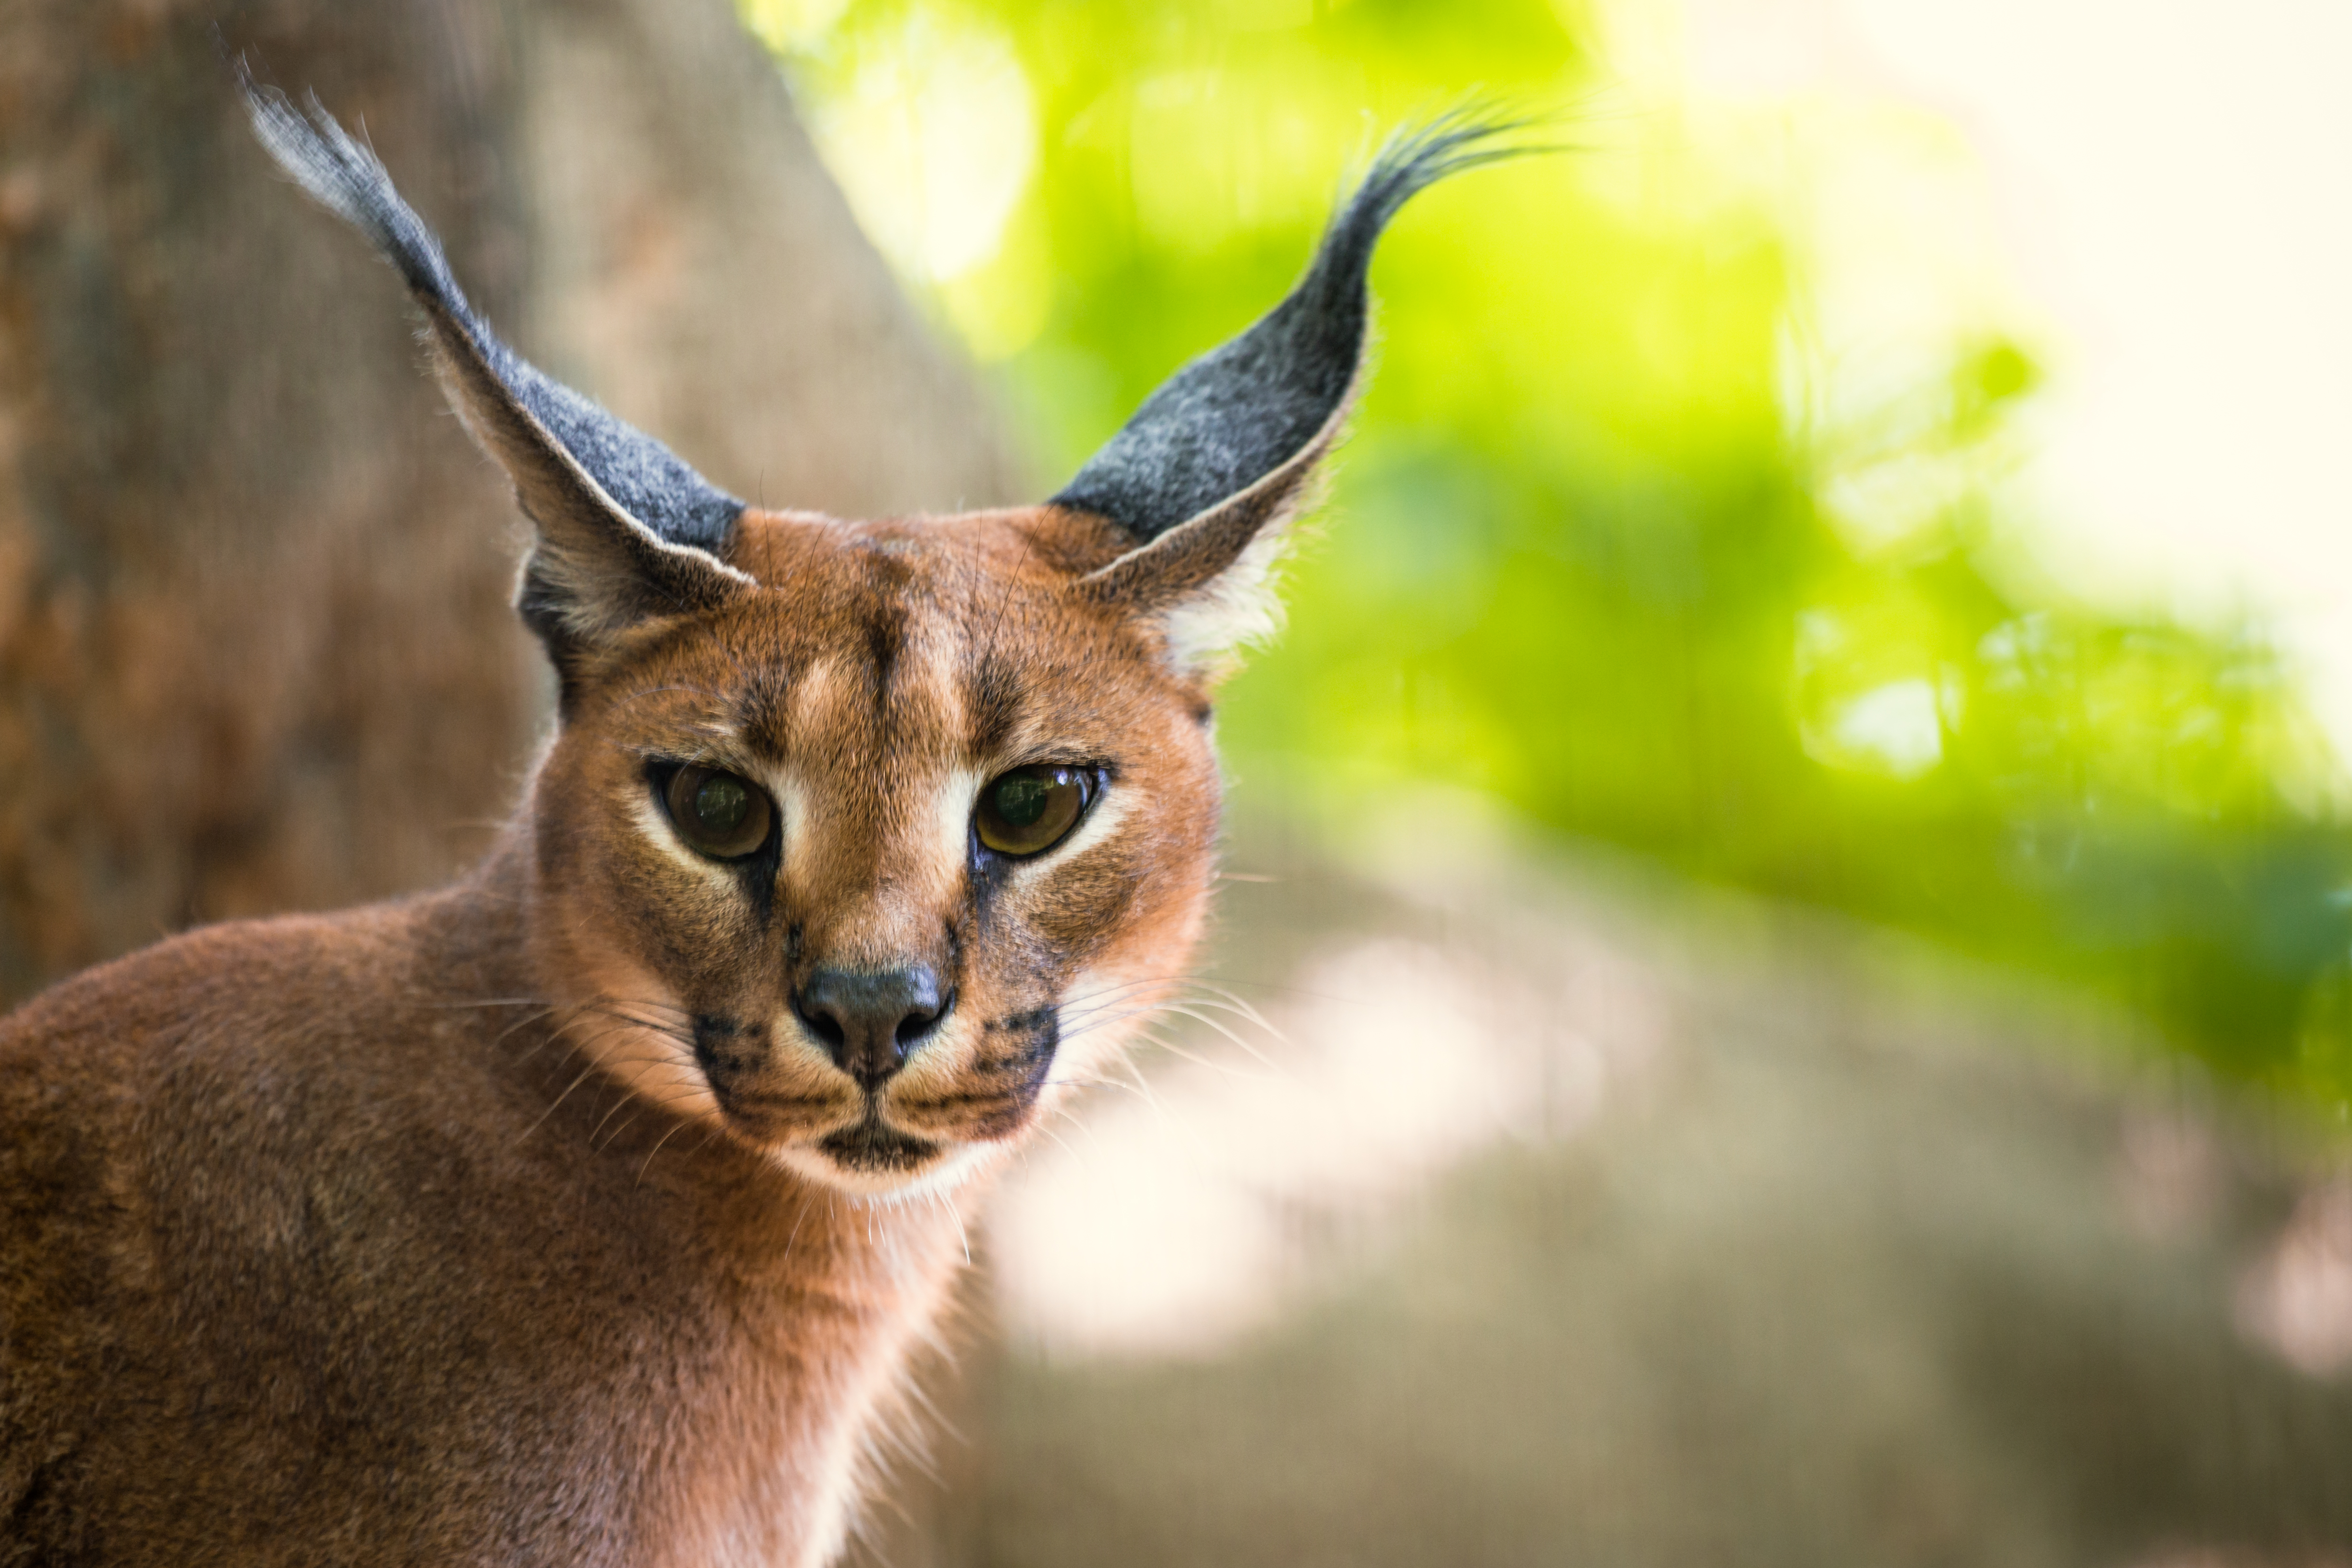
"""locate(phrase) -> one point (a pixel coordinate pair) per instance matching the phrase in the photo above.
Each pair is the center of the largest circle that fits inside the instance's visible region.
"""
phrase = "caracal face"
(850, 974)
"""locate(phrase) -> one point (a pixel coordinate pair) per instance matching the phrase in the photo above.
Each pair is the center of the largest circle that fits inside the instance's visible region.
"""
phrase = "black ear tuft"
(1239, 412)
(645, 478)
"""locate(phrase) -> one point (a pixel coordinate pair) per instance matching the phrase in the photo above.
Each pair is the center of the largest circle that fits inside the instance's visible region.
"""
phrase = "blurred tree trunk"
(255, 651)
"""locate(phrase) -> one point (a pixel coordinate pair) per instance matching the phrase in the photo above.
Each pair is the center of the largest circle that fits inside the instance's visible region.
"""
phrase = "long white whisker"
(665, 1138)
(543, 1115)
(1212, 1023)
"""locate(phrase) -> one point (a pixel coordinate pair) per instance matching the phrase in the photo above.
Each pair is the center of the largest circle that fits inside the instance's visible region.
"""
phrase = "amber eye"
(723, 816)
(1030, 809)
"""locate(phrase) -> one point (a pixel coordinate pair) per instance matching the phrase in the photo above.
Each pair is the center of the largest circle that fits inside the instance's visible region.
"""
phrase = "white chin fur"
(950, 1170)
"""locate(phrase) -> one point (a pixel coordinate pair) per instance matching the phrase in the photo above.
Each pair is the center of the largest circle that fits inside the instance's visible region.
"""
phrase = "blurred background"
(1783, 992)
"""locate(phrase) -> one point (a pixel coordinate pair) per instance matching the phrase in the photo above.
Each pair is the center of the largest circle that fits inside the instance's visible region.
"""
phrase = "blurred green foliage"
(1583, 558)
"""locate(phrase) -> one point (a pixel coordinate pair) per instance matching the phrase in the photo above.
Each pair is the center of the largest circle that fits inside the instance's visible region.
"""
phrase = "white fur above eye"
(951, 810)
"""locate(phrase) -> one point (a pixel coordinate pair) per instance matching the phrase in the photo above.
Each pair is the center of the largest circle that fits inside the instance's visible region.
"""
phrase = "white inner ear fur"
(1240, 609)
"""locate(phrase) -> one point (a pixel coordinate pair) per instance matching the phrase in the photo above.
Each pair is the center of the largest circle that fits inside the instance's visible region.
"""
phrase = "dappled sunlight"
(1896, 726)
(934, 139)
(2297, 1300)
(789, 26)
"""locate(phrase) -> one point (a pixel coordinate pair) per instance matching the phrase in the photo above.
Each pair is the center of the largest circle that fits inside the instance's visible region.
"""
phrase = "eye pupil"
(1022, 800)
(721, 804)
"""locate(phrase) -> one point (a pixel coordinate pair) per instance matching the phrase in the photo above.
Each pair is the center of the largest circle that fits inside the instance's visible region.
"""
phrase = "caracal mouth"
(870, 1160)
(871, 1146)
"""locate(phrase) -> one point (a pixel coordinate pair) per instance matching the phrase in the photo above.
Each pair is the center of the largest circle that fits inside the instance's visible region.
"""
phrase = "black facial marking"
(886, 639)
(725, 1049)
(763, 710)
(872, 1147)
(983, 879)
(760, 875)
(992, 702)
(953, 946)
(1017, 1077)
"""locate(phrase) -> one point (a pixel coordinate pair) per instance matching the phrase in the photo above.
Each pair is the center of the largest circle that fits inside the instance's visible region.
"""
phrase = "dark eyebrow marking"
(992, 705)
(887, 576)
(763, 707)
(886, 639)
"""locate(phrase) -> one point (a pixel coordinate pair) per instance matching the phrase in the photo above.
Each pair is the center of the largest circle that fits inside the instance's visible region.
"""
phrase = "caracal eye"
(1030, 809)
(718, 814)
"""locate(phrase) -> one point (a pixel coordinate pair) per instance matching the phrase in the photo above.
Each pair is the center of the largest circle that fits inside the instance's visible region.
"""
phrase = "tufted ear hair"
(1210, 470)
(626, 531)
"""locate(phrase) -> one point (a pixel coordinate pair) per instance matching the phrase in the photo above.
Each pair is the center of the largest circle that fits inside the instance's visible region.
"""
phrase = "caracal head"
(862, 842)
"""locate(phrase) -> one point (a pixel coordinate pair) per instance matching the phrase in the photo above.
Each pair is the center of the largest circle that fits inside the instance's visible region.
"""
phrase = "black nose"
(871, 1022)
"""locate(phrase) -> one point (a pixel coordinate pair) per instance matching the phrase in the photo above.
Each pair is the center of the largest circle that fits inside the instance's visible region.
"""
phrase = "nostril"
(869, 1022)
(917, 1024)
(827, 1028)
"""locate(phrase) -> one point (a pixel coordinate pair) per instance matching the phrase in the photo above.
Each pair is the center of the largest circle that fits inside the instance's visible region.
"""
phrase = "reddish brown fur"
(416, 1233)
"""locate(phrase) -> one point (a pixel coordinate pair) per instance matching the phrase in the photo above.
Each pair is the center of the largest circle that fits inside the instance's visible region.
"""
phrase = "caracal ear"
(1217, 462)
(626, 531)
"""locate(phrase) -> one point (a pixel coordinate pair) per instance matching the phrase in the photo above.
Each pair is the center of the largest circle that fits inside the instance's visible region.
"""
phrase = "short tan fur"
(586, 1211)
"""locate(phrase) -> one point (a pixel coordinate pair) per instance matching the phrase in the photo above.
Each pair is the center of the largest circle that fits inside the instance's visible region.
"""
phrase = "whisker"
(617, 1131)
(1087, 1025)
(1229, 1034)
(584, 1041)
(665, 1138)
(798, 1220)
(1066, 1146)
(543, 1115)
(630, 1093)
(527, 1020)
(615, 1009)
(953, 1213)
(1227, 1002)
(653, 1002)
